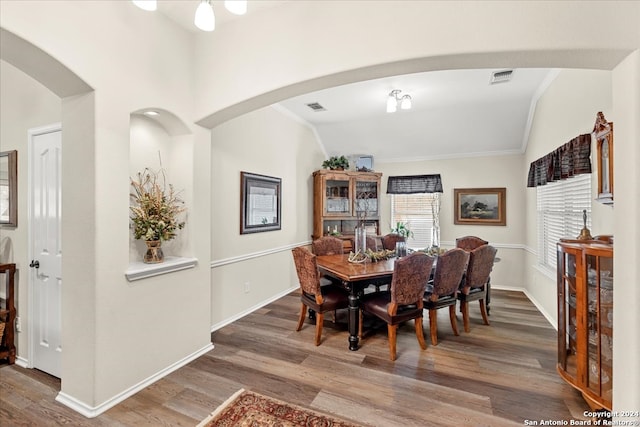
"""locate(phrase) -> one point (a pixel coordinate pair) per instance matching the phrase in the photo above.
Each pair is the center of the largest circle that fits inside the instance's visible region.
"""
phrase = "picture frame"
(603, 134)
(9, 188)
(260, 203)
(480, 206)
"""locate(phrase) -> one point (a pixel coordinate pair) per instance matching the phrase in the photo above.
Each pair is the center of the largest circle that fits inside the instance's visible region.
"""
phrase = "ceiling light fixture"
(151, 113)
(394, 100)
(205, 19)
(237, 7)
(149, 5)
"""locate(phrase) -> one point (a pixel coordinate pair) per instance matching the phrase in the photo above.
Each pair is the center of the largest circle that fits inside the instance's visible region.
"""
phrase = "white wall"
(264, 142)
(25, 104)
(565, 111)
(473, 172)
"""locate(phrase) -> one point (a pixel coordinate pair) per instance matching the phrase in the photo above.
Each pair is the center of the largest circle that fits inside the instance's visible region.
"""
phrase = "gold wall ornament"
(603, 134)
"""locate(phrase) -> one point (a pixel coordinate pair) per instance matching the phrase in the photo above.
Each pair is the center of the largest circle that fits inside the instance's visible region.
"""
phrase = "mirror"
(603, 132)
(9, 188)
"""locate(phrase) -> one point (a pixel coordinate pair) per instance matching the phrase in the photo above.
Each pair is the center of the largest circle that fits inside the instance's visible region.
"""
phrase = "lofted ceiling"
(455, 113)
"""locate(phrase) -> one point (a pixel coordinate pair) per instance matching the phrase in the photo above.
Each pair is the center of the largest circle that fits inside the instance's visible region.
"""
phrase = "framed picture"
(480, 206)
(259, 203)
(9, 188)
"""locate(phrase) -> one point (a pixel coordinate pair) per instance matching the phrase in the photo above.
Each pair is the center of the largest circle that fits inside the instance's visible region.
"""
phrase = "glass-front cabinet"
(585, 318)
(342, 199)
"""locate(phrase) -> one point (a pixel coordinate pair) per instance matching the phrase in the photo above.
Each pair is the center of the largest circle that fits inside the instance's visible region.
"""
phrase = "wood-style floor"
(498, 375)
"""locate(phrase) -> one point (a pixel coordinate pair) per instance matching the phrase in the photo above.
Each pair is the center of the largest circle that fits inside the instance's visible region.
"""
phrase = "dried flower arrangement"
(155, 210)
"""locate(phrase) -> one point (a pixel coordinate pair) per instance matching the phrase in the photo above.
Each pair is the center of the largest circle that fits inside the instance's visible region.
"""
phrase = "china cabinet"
(343, 200)
(585, 318)
(7, 313)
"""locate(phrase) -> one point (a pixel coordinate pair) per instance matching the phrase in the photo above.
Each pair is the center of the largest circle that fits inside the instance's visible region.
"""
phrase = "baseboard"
(22, 362)
(250, 310)
(539, 306)
(94, 411)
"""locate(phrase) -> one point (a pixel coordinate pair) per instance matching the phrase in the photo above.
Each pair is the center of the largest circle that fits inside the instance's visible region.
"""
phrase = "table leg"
(354, 318)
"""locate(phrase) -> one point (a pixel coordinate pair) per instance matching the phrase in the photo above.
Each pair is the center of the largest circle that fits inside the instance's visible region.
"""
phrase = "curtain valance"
(414, 184)
(572, 158)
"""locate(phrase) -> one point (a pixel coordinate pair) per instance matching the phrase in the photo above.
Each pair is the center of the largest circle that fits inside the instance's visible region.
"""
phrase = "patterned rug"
(246, 408)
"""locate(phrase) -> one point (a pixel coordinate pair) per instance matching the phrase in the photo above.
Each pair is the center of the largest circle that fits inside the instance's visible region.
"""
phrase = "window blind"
(560, 207)
(415, 210)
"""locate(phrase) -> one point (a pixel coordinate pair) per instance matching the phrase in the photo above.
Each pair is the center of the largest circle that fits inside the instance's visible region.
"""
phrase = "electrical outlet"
(247, 287)
(18, 325)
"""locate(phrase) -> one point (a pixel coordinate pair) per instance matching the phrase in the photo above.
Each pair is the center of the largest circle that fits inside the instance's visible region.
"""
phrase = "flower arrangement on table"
(156, 207)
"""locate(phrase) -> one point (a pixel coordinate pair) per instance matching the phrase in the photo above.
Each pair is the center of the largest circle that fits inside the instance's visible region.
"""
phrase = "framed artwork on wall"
(9, 188)
(480, 206)
(260, 203)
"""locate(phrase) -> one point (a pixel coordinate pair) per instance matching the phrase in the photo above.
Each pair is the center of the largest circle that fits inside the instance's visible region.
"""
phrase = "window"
(560, 214)
(417, 211)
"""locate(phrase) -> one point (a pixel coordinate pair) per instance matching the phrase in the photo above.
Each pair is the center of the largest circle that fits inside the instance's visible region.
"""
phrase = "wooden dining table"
(355, 277)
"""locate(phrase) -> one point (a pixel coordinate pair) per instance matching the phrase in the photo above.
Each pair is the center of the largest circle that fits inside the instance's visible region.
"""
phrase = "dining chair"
(318, 298)
(328, 245)
(475, 282)
(469, 243)
(389, 241)
(443, 289)
(404, 300)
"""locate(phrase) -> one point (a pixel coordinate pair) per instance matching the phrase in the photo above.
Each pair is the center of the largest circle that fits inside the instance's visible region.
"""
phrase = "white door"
(46, 248)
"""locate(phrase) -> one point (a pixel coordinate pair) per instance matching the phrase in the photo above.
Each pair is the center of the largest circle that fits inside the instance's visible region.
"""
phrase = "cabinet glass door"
(599, 323)
(366, 201)
(337, 197)
(567, 321)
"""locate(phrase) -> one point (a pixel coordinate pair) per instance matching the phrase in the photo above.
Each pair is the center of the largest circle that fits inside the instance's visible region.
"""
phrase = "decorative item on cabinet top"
(155, 213)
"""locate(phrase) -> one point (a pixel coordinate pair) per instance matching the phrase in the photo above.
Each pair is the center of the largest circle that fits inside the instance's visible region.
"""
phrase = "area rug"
(246, 408)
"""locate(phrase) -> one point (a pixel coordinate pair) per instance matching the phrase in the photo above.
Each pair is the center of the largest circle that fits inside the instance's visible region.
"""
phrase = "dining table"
(355, 277)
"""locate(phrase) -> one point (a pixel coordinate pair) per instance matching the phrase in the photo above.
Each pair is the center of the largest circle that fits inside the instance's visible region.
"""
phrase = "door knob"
(35, 263)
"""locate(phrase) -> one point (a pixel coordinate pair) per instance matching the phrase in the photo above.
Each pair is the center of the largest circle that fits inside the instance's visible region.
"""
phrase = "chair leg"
(454, 320)
(433, 326)
(483, 311)
(391, 330)
(420, 333)
(303, 313)
(319, 322)
(464, 307)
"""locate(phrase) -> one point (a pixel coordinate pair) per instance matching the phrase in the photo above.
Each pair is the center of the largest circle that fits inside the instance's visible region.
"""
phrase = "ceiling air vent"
(501, 76)
(315, 106)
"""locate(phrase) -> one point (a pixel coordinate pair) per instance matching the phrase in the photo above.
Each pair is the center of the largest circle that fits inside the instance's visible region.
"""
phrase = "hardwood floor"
(498, 375)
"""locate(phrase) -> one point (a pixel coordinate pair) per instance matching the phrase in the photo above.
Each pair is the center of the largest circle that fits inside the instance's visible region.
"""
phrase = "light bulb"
(392, 103)
(205, 19)
(405, 103)
(237, 7)
(149, 5)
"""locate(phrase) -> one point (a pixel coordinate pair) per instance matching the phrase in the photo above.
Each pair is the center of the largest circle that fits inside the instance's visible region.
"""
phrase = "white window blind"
(416, 211)
(560, 214)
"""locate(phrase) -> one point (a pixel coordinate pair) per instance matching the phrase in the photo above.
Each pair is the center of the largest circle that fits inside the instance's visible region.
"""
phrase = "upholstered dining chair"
(469, 243)
(443, 289)
(389, 241)
(327, 245)
(318, 298)
(403, 301)
(474, 284)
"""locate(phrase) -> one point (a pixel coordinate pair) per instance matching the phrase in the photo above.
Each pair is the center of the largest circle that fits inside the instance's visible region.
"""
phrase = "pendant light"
(205, 19)
(237, 7)
(149, 5)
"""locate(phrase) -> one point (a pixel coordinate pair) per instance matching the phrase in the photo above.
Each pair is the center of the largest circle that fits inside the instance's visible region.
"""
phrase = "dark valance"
(414, 184)
(572, 158)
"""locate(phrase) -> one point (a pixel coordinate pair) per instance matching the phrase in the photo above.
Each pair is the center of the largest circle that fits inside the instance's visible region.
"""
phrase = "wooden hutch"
(342, 199)
(585, 318)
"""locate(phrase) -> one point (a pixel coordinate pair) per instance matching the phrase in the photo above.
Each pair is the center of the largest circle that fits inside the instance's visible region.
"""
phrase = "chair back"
(480, 265)
(450, 268)
(389, 241)
(469, 243)
(328, 245)
(307, 270)
(410, 276)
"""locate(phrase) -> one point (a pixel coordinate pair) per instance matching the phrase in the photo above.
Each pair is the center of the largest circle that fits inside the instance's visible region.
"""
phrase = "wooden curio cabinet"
(585, 319)
(341, 199)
